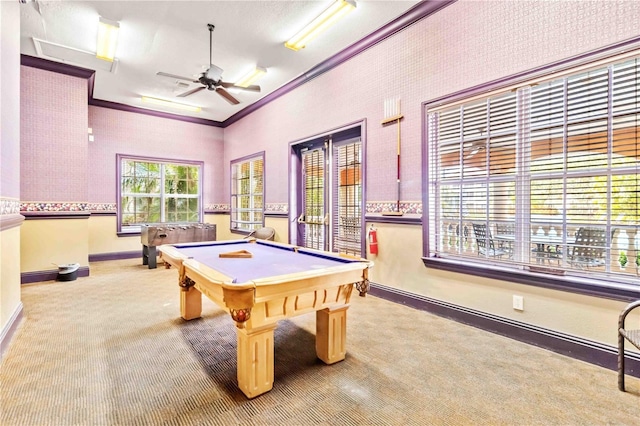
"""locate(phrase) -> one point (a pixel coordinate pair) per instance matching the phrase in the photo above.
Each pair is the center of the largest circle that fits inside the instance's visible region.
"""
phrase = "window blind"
(537, 167)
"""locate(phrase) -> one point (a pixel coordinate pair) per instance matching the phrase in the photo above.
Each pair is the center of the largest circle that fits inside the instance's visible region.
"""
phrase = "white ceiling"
(172, 36)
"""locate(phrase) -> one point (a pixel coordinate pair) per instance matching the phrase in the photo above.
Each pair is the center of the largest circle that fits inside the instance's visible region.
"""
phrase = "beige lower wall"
(45, 242)
(223, 225)
(399, 265)
(103, 237)
(281, 225)
(9, 276)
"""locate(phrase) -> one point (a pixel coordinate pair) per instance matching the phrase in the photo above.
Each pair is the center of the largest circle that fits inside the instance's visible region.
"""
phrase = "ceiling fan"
(211, 79)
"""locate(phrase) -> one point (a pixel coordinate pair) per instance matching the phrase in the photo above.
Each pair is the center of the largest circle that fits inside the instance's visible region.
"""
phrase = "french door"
(330, 194)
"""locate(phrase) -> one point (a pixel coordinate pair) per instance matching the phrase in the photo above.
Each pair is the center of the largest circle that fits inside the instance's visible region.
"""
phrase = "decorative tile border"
(217, 208)
(53, 207)
(102, 207)
(9, 206)
(276, 208)
(408, 207)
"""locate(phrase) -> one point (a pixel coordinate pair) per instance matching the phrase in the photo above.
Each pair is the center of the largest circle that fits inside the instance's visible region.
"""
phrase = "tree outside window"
(154, 191)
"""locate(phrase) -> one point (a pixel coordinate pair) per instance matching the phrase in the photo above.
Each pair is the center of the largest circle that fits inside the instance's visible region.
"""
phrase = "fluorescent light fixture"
(107, 39)
(171, 104)
(338, 9)
(251, 77)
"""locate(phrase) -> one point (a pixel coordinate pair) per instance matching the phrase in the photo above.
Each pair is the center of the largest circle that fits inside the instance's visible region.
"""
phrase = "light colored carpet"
(111, 349)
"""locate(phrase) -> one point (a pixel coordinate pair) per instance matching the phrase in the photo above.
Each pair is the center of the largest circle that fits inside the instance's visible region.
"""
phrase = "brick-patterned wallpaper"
(461, 46)
(119, 132)
(53, 137)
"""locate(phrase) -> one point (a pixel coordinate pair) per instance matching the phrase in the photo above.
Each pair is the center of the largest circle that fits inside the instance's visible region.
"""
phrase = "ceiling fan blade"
(233, 101)
(233, 86)
(164, 74)
(191, 92)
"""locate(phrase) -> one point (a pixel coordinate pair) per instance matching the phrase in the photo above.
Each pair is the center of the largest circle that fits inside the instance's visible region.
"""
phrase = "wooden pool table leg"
(190, 303)
(331, 334)
(255, 360)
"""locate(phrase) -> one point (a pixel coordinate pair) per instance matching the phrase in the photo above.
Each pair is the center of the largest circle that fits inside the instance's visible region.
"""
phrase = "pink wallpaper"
(10, 104)
(53, 132)
(120, 132)
(463, 45)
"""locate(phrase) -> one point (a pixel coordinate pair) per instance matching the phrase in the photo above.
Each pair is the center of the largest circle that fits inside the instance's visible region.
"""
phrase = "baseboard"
(38, 276)
(99, 257)
(10, 329)
(572, 346)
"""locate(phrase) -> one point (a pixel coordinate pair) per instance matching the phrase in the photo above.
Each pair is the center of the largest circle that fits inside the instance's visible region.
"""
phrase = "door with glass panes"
(331, 195)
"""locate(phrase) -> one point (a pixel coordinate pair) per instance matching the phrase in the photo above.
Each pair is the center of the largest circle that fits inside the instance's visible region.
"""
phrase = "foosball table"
(156, 234)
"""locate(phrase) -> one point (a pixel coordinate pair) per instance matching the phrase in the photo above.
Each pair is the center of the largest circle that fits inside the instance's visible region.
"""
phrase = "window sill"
(573, 284)
(240, 231)
(128, 234)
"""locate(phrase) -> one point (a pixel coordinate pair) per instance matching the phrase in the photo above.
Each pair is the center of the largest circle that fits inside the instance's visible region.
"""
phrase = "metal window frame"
(162, 161)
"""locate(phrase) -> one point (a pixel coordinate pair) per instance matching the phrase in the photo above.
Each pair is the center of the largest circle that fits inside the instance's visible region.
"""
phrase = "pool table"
(261, 282)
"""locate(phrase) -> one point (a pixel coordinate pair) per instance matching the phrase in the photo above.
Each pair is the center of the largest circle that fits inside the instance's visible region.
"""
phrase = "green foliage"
(623, 259)
(638, 259)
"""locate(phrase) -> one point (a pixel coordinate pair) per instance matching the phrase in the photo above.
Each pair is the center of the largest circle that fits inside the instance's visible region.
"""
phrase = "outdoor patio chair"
(265, 233)
(589, 248)
(485, 243)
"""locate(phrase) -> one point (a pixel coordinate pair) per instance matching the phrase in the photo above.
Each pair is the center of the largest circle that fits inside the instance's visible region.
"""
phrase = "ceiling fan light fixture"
(171, 104)
(338, 9)
(107, 39)
(251, 77)
(213, 73)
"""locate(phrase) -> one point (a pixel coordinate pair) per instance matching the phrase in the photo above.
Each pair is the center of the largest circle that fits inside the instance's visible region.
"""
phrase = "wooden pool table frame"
(256, 307)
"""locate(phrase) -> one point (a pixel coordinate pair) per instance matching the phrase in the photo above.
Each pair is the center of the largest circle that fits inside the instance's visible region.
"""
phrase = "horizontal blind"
(347, 197)
(572, 158)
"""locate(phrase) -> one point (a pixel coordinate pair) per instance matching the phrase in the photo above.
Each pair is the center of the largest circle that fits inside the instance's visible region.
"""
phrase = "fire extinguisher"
(373, 240)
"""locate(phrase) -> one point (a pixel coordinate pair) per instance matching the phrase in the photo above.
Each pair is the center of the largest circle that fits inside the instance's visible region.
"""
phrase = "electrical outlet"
(518, 303)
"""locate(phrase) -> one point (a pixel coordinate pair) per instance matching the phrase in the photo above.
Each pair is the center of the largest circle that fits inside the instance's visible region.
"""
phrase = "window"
(543, 178)
(152, 191)
(247, 193)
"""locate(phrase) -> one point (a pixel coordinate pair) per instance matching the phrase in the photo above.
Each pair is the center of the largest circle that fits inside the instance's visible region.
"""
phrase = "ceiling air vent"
(73, 56)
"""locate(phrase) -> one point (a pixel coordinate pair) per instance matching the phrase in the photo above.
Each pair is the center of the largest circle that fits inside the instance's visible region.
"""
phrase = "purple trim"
(363, 183)
(622, 292)
(99, 257)
(128, 234)
(38, 276)
(161, 114)
(95, 213)
(568, 345)
(538, 72)
(89, 75)
(6, 336)
(424, 154)
(55, 215)
(61, 68)
(294, 174)
(217, 212)
(416, 13)
(402, 220)
(276, 214)
(57, 67)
